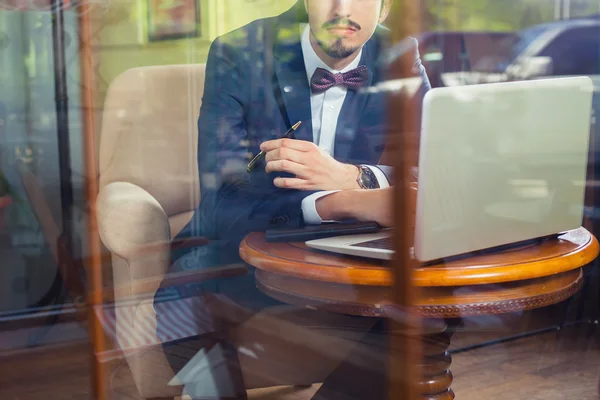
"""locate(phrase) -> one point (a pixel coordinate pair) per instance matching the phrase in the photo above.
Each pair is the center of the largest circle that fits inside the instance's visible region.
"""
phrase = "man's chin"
(337, 48)
(340, 51)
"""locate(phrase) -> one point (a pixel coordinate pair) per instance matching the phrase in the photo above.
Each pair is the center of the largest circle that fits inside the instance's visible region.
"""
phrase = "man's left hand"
(313, 168)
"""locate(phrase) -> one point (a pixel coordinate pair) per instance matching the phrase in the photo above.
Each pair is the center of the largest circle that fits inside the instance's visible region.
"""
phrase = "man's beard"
(337, 49)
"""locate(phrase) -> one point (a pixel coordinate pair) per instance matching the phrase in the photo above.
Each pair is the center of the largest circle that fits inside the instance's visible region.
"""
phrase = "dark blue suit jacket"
(256, 88)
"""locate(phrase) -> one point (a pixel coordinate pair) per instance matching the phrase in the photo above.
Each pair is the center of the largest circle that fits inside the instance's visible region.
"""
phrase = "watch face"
(364, 181)
(368, 179)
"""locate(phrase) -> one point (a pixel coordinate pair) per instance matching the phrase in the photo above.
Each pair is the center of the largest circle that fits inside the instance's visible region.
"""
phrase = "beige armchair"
(148, 190)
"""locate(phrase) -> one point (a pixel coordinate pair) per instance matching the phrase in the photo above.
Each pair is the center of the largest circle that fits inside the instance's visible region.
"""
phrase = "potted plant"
(6, 197)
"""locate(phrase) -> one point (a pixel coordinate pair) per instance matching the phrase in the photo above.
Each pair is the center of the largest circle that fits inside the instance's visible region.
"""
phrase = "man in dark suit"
(312, 64)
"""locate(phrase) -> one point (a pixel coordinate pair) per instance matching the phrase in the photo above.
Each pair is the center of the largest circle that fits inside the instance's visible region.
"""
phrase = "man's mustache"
(341, 21)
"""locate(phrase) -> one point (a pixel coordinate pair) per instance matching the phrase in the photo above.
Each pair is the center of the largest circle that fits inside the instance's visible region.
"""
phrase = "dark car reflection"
(551, 50)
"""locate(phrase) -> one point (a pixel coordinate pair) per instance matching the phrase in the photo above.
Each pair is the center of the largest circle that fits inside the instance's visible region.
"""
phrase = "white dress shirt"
(325, 108)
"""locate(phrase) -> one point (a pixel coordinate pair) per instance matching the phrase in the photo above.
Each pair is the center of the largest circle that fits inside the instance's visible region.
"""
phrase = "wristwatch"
(366, 178)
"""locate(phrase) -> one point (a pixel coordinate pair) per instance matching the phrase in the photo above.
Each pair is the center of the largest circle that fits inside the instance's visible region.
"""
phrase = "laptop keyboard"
(385, 243)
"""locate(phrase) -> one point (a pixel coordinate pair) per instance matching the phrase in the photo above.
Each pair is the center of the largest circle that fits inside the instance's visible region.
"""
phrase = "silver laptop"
(499, 164)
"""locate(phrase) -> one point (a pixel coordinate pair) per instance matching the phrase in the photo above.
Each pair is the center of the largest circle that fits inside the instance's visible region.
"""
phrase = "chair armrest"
(135, 229)
(129, 218)
(131, 221)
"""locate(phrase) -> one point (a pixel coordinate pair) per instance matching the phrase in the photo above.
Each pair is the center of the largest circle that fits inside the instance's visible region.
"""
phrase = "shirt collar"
(312, 60)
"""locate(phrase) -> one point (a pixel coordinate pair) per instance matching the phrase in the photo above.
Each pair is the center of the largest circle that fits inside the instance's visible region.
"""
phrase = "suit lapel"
(351, 111)
(292, 82)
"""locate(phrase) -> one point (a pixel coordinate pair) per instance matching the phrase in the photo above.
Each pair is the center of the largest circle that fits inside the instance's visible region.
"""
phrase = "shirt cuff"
(381, 179)
(309, 207)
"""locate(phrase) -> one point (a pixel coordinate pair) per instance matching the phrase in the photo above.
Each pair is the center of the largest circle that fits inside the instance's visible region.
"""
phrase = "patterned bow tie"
(354, 79)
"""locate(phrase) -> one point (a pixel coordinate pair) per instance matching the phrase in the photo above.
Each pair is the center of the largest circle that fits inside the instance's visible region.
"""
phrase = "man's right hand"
(313, 168)
(363, 205)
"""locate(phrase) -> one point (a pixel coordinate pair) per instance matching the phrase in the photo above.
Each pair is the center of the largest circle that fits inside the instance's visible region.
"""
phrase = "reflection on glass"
(164, 284)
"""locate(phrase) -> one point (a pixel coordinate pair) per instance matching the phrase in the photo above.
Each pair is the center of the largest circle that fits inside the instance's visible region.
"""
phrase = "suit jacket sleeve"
(235, 202)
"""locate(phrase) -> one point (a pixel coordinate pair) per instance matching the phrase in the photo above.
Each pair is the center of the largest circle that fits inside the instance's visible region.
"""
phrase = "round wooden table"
(522, 278)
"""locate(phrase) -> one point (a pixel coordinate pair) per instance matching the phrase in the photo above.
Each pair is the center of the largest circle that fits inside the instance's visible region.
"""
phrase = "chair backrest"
(149, 133)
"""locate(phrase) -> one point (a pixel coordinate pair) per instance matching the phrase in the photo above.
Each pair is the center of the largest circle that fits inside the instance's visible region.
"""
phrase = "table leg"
(437, 378)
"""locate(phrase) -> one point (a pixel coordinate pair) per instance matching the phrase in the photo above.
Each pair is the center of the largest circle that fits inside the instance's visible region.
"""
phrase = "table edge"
(431, 276)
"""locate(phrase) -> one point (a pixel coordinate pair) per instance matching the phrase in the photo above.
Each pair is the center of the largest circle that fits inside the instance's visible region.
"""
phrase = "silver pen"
(261, 155)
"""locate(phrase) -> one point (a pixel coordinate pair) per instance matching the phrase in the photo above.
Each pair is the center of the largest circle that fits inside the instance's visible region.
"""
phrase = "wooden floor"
(546, 367)
(556, 365)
